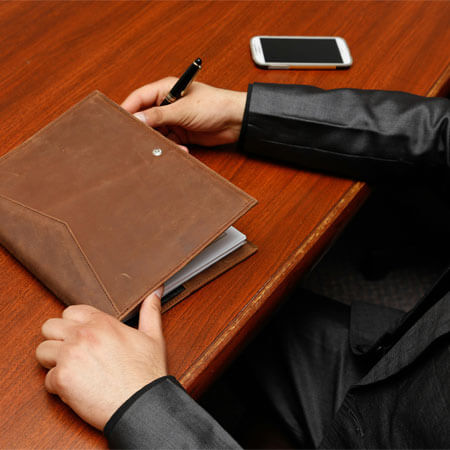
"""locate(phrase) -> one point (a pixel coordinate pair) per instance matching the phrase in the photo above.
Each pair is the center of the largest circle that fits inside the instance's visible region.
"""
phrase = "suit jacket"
(404, 401)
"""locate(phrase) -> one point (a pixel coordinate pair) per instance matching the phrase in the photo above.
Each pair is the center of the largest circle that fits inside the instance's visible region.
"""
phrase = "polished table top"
(53, 54)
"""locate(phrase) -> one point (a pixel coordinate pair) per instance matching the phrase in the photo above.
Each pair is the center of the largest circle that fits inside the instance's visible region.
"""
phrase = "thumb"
(150, 314)
(159, 116)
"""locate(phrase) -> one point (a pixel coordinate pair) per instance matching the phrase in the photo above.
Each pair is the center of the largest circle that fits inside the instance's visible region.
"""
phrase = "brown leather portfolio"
(103, 209)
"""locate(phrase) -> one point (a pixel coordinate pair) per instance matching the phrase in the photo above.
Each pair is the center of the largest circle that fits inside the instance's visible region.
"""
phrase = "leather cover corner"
(48, 249)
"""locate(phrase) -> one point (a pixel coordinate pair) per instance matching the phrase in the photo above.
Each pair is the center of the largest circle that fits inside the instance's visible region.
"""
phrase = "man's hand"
(205, 115)
(96, 362)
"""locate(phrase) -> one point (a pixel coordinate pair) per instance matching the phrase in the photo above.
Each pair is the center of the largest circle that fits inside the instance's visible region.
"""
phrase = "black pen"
(183, 83)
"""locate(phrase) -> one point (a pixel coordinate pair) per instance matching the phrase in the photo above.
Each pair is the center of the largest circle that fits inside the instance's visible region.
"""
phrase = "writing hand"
(96, 362)
(205, 115)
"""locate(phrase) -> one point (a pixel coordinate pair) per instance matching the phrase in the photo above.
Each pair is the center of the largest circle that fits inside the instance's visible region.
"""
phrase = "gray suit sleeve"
(369, 135)
(163, 415)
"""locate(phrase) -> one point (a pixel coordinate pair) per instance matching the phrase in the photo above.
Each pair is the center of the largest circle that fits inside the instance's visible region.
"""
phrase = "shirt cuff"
(125, 406)
(163, 415)
(245, 119)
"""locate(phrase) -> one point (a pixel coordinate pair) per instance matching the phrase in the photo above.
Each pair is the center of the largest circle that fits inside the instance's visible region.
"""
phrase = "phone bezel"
(258, 54)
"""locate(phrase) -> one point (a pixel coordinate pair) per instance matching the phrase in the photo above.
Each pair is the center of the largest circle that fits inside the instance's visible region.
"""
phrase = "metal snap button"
(157, 152)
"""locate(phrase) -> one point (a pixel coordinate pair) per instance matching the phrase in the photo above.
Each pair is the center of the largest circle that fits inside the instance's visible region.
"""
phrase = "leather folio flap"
(93, 211)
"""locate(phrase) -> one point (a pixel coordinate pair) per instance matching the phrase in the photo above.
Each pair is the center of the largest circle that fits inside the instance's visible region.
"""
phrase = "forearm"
(353, 133)
(162, 415)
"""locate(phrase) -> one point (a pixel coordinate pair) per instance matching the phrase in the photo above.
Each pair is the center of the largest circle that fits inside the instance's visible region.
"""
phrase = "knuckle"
(79, 312)
(47, 326)
(39, 351)
(85, 334)
(70, 311)
(71, 352)
(87, 309)
(155, 116)
(61, 379)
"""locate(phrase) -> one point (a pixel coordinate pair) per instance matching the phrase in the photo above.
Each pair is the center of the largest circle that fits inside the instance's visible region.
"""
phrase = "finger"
(160, 116)
(47, 353)
(80, 313)
(49, 383)
(164, 130)
(148, 95)
(141, 98)
(55, 328)
(150, 314)
(172, 135)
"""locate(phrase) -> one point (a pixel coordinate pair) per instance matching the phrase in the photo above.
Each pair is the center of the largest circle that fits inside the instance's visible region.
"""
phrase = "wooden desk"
(53, 54)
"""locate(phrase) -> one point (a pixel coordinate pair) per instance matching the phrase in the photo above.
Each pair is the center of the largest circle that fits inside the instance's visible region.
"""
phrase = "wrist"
(238, 108)
(237, 101)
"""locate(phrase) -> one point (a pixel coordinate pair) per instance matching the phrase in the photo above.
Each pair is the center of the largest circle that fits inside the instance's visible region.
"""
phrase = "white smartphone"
(300, 52)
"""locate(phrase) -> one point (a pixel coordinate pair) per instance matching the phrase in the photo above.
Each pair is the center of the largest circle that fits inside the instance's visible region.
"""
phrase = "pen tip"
(198, 61)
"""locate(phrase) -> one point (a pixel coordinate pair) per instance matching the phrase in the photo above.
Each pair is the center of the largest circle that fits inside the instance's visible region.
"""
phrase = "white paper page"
(226, 243)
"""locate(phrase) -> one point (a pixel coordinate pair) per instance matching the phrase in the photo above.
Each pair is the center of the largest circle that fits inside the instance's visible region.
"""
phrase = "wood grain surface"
(52, 54)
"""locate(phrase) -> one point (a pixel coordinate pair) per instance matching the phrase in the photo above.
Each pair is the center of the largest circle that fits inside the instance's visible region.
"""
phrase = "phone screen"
(300, 50)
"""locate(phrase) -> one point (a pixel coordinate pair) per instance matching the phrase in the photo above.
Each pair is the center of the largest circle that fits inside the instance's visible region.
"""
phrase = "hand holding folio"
(96, 362)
